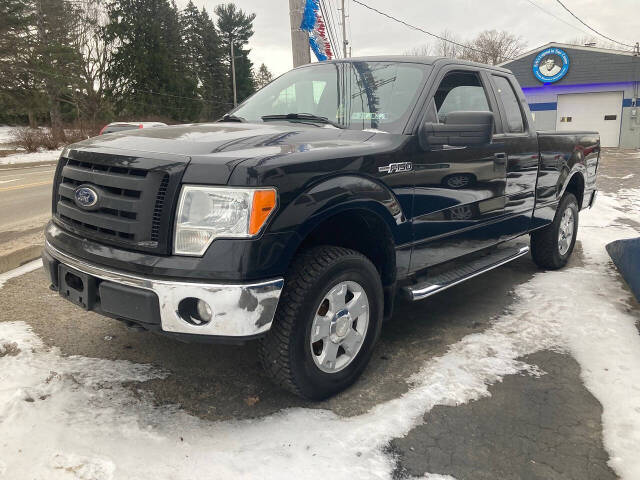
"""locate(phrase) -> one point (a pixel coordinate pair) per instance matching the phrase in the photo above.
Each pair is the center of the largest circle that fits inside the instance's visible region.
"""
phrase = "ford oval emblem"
(85, 197)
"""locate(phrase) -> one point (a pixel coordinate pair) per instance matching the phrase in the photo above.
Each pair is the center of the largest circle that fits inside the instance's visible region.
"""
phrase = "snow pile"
(5, 133)
(26, 268)
(71, 417)
(23, 157)
(630, 200)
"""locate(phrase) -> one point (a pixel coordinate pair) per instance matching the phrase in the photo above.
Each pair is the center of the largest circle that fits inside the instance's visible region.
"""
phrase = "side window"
(515, 123)
(460, 91)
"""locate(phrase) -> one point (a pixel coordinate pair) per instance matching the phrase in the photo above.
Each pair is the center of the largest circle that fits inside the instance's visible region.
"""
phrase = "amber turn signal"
(264, 201)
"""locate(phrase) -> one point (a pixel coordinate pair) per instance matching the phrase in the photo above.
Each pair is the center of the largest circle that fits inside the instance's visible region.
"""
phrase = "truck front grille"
(135, 204)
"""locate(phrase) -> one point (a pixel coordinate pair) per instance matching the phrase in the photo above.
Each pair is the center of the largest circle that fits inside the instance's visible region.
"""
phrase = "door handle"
(500, 158)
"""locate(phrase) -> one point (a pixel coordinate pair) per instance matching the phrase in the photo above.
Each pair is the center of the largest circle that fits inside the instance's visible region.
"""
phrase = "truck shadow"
(219, 382)
(227, 381)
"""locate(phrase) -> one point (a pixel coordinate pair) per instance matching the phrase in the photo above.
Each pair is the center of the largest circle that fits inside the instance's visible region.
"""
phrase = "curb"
(20, 166)
(19, 257)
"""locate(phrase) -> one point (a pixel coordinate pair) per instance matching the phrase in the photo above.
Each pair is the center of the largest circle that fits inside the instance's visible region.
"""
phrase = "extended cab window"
(460, 91)
(515, 123)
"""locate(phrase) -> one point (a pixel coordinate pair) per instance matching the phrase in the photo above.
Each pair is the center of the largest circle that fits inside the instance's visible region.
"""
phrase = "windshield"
(355, 95)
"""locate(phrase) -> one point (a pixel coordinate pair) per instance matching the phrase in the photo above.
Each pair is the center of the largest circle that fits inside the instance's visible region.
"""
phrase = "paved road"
(25, 195)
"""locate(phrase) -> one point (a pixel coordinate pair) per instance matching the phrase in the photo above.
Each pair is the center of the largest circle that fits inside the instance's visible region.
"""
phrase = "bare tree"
(96, 53)
(449, 45)
(421, 51)
(494, 47)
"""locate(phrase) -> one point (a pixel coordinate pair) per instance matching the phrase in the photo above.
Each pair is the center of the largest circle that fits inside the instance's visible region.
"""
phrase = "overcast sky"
(372, 34)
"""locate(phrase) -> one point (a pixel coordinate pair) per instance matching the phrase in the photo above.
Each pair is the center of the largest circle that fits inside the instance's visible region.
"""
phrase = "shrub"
(73, 136)
(33, 139)
(48, 141)
(27, 138)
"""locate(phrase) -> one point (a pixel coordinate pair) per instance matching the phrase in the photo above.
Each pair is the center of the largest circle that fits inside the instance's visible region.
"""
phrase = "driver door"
(459, 190)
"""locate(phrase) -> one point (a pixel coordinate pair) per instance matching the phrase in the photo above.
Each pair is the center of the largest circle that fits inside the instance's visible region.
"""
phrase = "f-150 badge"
(396, 167)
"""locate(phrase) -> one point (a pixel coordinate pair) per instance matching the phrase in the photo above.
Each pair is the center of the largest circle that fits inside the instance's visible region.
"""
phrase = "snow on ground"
(5, 133)
(21, 270)
(24, 157)
(626, 177)
(73, 418)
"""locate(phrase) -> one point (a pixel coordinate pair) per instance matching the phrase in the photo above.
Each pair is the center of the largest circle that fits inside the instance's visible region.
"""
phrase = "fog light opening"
(195, 311)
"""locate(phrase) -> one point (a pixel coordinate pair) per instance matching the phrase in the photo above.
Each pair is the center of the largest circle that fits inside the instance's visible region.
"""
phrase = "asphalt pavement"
(25, 195)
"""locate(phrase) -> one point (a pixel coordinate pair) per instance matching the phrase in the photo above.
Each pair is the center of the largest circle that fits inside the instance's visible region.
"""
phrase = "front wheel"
(552, 245)
(327, 322)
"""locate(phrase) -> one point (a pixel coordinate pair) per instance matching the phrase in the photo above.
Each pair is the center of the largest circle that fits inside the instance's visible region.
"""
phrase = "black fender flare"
(577, 169)
(340, 194)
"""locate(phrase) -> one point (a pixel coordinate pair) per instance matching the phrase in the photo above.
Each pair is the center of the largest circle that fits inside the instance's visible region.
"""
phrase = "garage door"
(600, 112)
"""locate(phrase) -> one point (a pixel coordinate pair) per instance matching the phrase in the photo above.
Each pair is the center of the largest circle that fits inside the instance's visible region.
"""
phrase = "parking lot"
(517, 374)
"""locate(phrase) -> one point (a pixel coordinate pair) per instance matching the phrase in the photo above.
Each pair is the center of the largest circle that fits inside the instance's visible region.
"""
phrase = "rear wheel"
(327, 322)
(552, 246)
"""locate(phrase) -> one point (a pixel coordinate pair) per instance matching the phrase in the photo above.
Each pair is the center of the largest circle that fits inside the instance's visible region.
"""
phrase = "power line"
(557, 17)
(336, 23)
(329, 28)
(333, 39)
(591, 28)
(391, 17)
(137, 90)
(349, 24)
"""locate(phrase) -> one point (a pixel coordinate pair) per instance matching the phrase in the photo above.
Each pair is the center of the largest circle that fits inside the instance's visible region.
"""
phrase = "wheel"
(326, 324)
(552, 246)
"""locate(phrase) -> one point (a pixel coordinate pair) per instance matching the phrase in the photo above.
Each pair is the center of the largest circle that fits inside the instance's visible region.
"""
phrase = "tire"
(550, 248)
(313, 288)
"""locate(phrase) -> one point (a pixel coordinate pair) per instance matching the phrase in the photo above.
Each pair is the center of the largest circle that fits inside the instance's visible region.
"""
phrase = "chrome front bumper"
(239, 310)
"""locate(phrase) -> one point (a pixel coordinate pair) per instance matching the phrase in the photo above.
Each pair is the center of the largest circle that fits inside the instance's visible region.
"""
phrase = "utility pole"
(233, 72)
(344, 32)
(299, 38)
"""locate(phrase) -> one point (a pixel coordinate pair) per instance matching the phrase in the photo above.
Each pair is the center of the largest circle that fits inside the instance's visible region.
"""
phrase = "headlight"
(207, 213)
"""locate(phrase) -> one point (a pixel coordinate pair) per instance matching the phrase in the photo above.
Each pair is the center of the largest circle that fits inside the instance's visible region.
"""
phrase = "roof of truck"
(425, 60)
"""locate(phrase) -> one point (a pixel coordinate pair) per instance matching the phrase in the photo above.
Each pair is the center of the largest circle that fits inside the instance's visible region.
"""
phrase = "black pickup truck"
(299, 217)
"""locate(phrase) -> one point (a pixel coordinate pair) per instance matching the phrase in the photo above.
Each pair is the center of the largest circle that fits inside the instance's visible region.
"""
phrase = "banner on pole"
(313, 23)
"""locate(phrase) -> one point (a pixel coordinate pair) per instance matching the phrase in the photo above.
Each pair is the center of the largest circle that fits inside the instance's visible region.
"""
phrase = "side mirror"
(460, 129)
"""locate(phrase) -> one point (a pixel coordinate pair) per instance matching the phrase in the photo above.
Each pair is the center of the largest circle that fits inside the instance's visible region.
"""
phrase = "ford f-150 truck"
(298, 218)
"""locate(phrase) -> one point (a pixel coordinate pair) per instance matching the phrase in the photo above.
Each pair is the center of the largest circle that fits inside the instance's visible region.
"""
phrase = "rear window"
(119, 128)
(515, 122)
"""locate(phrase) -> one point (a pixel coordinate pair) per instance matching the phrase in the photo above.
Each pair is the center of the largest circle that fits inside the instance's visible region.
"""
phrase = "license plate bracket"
(77, 287)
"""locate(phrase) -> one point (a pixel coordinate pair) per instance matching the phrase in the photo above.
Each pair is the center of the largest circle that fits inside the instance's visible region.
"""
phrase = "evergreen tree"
(192, 38)
(204, 60)
(236, 28)
(56, 60)
(244, 75)
(263, 77)
(38, 58)
(19, 92)
(215, 86)
(149, 70)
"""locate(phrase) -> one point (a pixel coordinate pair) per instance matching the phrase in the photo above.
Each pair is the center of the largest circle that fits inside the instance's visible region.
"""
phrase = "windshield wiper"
(232, 118)
(310, 117)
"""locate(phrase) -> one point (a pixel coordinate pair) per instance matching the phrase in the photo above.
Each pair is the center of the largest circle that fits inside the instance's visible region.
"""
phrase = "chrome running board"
(432, 285)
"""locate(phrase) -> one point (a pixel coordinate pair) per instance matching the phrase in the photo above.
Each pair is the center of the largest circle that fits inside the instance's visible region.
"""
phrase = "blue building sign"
(551, 65)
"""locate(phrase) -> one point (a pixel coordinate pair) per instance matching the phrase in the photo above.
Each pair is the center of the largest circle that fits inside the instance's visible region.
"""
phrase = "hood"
(202, 139)
(214, 149)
